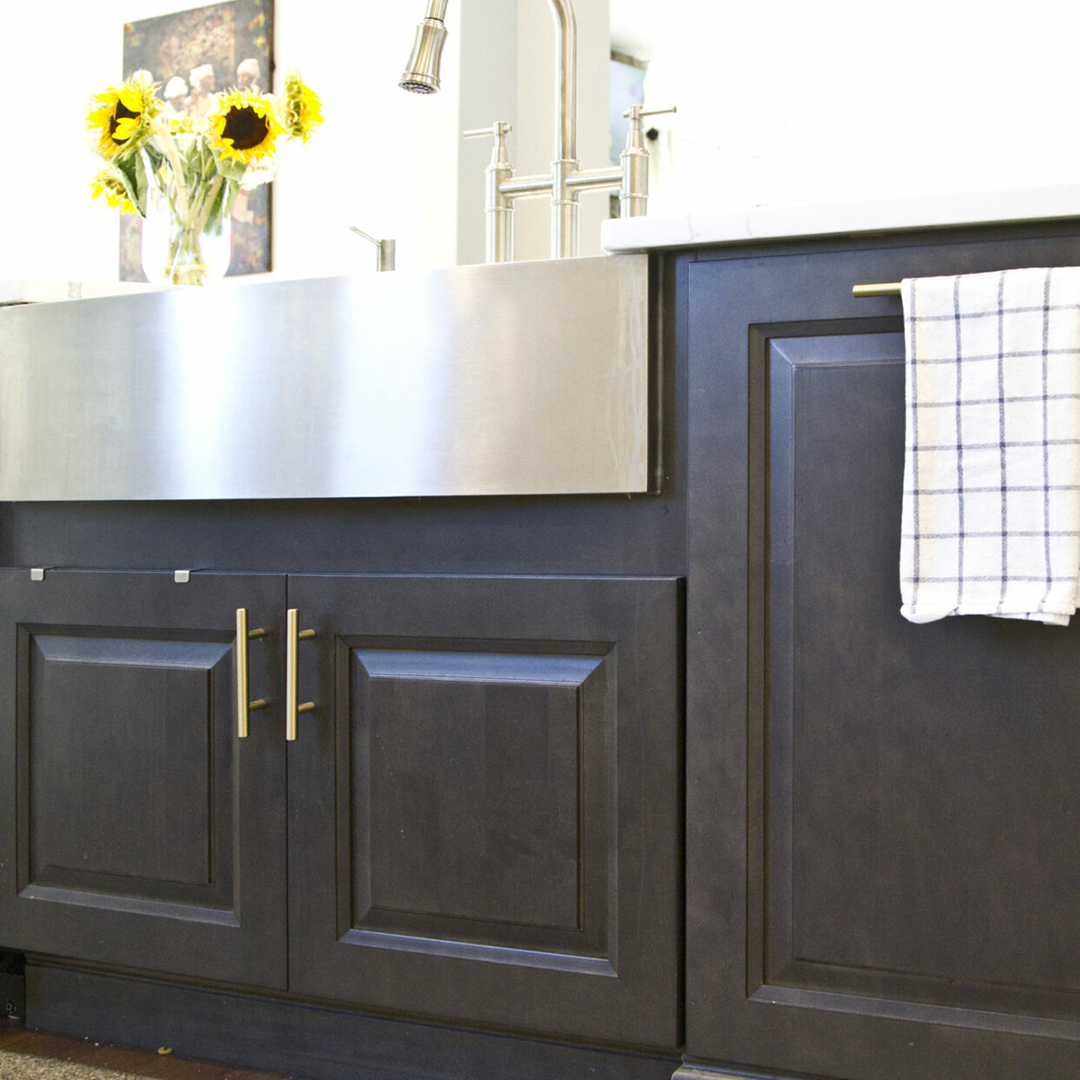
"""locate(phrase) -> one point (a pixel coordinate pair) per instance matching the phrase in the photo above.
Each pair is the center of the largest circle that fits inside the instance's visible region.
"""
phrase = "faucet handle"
(636, 113)
(498, 209)
(635, 135)
(634, 193)
(499, 130)
(500, 159)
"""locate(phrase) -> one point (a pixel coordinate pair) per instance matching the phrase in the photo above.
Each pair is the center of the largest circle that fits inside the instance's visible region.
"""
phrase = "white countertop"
(725, 227)
(39, 290)
(841, 219)
(47, 290)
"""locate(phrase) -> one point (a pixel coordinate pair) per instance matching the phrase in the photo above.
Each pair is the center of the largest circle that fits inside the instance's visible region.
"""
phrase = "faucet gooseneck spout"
(422, 71)
(566, 180)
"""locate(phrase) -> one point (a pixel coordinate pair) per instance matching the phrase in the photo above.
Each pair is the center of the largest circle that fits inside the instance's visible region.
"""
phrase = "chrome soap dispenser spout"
(386, 250)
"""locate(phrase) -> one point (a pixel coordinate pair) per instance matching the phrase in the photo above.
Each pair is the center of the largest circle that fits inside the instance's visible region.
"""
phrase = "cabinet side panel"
(882, 861)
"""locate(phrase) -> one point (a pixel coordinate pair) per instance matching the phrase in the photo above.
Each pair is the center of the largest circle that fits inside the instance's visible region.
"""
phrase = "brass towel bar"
(882, 288)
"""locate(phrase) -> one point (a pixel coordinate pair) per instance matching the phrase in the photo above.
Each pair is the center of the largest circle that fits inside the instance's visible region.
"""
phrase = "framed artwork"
(191, 54)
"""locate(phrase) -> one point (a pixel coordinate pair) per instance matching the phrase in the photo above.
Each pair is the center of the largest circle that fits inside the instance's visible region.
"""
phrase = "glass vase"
(179, 245)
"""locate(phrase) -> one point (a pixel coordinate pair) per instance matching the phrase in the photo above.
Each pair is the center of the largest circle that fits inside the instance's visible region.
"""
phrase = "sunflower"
(109, 183)
(124, 115)
(243, 127)
(301, 108)
(181, 125)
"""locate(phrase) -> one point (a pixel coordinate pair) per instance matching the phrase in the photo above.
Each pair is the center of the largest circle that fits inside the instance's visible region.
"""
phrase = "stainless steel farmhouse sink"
(512, 379)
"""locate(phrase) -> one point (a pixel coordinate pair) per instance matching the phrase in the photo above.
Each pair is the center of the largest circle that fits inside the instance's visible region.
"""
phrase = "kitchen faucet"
(566, 180)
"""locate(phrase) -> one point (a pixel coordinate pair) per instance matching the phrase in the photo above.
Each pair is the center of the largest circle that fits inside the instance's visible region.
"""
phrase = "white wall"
(781, 101)
(534, 149)
(380, 161)
(390, 162)
(488, 35)
(383, 160)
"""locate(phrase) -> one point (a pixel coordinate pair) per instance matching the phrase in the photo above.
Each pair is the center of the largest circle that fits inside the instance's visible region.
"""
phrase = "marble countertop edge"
(733, 226)
(992, 207)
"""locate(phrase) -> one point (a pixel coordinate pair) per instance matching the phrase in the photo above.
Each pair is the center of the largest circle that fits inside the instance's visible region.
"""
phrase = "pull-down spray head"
(422, 71)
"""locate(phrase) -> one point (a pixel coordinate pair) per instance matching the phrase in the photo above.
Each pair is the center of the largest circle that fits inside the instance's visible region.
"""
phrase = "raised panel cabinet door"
(484, 802)
(139, 830)
(883, 866)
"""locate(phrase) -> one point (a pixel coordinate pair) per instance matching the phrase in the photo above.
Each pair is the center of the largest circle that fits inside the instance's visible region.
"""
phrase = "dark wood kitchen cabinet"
(883, 847)
(483, 800)
(484, 817)
(140, 831)
(591, 786)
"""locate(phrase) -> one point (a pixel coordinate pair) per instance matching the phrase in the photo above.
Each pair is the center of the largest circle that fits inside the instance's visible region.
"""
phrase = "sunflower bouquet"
(191, 169)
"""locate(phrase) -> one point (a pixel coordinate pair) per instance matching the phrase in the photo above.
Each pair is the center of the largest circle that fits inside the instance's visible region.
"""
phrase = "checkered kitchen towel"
(991, 512)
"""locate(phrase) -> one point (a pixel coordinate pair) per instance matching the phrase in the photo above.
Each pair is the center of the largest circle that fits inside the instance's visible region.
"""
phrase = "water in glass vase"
(186, 239)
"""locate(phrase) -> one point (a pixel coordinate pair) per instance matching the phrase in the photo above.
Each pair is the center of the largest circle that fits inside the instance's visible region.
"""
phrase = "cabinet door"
(883, 867)
(484, 820)
(139, 830)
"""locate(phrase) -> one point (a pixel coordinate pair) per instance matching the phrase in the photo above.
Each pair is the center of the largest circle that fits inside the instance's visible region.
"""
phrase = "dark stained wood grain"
(949, 876)
(531, 865)
(466, 773)
(143, 834)
(120, 730)
(880, 831)
(306, 1041)
(882, 862)
(505, 801)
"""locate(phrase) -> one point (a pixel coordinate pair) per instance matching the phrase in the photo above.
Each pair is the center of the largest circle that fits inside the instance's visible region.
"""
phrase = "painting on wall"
(191, 54)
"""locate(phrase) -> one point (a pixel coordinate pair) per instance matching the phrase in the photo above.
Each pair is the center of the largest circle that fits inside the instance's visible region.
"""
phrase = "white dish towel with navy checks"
(991, 511)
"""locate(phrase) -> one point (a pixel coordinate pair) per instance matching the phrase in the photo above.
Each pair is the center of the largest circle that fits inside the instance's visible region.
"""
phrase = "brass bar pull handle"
(293, 636)
(880, 288)
(243, 706)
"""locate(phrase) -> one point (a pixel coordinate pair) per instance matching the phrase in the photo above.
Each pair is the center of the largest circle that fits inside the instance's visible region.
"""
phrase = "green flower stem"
(191, 187)
(190, 229)
(187, 266)
(208, 199)
(168, 148)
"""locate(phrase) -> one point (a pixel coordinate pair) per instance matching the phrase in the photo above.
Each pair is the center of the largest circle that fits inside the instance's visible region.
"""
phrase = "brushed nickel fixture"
(422, 71)
(566, 180)
(527, 378)
(385, 250)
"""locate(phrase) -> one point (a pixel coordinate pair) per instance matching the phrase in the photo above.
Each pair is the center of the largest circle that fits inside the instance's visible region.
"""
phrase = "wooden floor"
(15, 1037)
